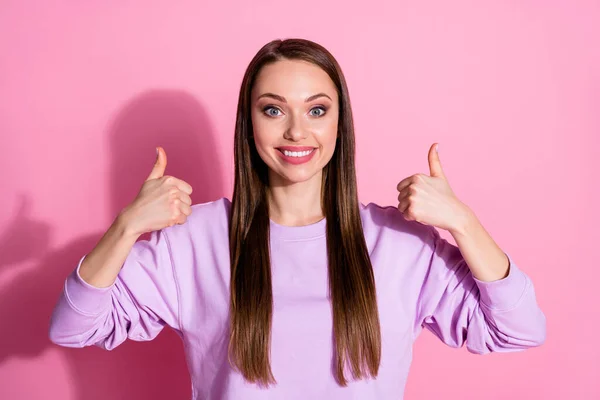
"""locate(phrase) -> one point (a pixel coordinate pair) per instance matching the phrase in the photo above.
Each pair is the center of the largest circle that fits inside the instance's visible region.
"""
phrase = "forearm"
(485, 259)
(102, 265)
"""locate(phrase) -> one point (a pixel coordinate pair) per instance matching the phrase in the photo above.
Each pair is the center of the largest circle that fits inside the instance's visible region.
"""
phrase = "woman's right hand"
(161, 202)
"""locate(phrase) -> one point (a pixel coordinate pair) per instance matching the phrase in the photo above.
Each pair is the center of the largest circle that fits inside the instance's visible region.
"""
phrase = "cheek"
(260, 148)
(266, 135)
(327, 135)
(261, 133)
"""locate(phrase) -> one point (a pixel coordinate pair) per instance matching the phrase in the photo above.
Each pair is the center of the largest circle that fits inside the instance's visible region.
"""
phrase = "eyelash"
(273, 116)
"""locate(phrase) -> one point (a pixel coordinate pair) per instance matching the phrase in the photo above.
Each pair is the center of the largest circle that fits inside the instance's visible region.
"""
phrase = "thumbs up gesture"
(161, 202)
(429, 199)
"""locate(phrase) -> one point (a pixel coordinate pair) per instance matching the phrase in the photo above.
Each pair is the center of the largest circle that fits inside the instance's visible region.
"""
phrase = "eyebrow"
(283, 100)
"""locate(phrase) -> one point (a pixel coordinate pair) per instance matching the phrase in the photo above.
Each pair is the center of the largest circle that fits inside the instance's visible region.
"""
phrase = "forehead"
(293, 79)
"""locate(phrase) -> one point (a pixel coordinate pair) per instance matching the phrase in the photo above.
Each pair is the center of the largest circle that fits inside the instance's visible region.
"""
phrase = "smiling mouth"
(296, 155)
(301, 153)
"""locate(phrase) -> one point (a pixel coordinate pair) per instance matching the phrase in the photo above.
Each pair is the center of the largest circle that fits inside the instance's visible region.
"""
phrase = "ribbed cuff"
(504, 294)
(85, 298)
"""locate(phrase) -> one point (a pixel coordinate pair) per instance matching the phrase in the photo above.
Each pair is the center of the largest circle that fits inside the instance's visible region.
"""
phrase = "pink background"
(510, 90)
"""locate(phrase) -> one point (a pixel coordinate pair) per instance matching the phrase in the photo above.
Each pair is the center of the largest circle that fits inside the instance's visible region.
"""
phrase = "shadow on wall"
(176, 121)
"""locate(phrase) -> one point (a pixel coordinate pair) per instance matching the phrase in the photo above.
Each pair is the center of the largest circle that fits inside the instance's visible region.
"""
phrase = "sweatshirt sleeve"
(141, 301)
(498, 316)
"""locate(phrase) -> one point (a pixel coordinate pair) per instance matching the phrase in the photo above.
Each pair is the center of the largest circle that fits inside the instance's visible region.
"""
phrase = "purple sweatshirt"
(180, 278)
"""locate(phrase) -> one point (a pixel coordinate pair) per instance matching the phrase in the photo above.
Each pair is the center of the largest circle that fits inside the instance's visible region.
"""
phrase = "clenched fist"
(429, 199)
(163, 201)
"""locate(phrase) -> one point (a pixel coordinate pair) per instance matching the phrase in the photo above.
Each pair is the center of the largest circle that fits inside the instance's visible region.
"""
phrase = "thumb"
(159, 166)
(435, 166)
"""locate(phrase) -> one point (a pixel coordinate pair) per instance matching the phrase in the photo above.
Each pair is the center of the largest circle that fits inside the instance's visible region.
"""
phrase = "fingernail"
(436, 147)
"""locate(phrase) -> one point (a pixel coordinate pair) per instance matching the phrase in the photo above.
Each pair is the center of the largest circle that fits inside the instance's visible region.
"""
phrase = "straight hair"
(356, 330)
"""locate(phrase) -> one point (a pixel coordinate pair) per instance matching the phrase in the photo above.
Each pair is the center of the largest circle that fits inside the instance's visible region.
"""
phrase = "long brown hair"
(351, 281)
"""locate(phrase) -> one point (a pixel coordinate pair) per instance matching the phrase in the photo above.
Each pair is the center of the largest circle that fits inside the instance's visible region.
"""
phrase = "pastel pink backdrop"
(510, 90)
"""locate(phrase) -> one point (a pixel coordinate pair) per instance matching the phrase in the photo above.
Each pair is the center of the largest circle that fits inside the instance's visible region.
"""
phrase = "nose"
(295, 130)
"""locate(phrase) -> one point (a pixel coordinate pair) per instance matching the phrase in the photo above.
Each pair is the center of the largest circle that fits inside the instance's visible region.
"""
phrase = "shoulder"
(206, 219)
(204, 234)
(388, 220)
(215, 208)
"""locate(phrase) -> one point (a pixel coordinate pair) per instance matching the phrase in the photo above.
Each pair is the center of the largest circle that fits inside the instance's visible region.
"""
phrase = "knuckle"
(181, 218)
(174, 213)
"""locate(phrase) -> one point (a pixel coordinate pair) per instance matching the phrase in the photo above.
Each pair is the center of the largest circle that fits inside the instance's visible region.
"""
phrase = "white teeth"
(297, 153)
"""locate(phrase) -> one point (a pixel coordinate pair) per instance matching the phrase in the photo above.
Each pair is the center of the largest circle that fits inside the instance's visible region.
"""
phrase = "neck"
(295, 204)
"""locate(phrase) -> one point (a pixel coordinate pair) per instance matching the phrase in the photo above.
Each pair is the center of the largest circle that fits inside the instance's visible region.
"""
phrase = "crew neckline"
(303, 232)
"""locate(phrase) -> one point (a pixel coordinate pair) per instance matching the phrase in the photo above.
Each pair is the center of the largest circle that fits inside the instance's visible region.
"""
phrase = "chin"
(296, 177)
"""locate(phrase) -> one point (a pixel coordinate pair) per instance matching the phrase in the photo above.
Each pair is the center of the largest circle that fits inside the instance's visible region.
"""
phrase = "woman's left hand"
(430, 200)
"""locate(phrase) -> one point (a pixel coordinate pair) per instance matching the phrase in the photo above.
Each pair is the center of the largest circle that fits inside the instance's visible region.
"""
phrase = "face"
(295, 119)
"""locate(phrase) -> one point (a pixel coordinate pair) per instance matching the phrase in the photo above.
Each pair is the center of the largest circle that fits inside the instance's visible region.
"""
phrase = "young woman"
(295, 289)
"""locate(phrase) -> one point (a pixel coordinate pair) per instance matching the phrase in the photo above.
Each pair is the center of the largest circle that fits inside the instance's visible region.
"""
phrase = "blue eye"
(318, 108)
(266, 109)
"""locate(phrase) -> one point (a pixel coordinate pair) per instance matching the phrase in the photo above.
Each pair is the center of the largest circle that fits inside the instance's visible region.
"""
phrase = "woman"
(295, 289)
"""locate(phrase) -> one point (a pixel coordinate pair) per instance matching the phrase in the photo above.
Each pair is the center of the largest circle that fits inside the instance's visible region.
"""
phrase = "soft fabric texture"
(180, 278)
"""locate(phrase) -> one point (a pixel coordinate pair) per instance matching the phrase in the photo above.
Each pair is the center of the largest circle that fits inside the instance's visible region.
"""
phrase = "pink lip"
(295, 148)
(296, 160)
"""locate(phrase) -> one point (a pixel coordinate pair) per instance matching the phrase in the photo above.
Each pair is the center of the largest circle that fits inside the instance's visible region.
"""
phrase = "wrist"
(465, 219)
(124, 227)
